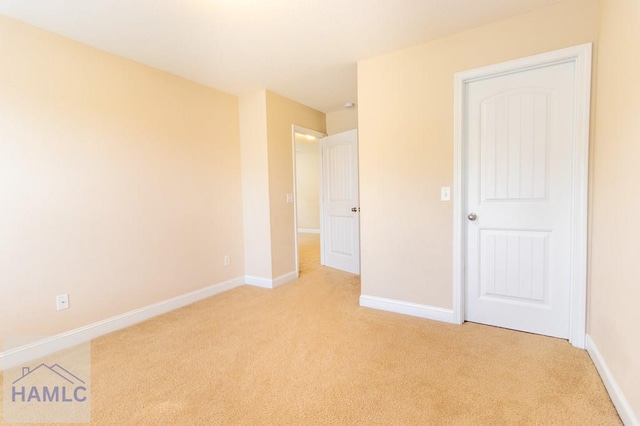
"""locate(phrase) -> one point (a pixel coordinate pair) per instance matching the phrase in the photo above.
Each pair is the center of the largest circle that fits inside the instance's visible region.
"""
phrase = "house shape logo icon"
(48, 383)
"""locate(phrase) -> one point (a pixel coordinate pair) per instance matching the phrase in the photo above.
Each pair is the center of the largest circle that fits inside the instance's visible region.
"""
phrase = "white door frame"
(319, 135)
(581, 57)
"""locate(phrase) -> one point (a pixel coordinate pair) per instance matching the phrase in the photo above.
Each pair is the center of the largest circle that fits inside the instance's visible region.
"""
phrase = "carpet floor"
(307, 354)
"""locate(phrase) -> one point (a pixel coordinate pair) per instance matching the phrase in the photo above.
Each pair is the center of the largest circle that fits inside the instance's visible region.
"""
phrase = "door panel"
(519, 138)
(513, 265)
(514, 168)
(340, 225)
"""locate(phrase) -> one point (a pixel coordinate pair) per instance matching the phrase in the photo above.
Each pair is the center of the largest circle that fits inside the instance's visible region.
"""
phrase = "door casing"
(581, 57)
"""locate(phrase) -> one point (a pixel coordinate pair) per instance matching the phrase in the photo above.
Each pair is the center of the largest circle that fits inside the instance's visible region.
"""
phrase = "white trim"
(407, 308)
(321, 200)
(285, 278)
(579, 202)
(308, 231)
(581, 56)
(259, 282)
(296, 255)
(625, 411)
(459, 238)
(307, 131)
(26, 353)
(272, 283)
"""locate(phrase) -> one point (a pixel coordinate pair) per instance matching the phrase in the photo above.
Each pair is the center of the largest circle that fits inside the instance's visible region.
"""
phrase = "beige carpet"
(307, 354)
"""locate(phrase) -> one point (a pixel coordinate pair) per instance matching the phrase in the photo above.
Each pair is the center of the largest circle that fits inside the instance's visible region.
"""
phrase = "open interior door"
(340, 202)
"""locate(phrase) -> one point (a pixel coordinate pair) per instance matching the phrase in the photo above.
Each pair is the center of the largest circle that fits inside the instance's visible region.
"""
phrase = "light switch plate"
(445, 193)
(62, 302)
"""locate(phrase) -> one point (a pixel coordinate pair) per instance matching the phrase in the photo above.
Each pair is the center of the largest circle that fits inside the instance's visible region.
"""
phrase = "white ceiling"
(306, 50)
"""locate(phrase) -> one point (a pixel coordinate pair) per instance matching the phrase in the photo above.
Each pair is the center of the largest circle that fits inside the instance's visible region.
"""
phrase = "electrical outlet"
(227, 260)
(62, 301)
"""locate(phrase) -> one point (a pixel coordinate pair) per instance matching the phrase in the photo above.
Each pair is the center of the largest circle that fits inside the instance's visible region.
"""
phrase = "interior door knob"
(472, 216)
(355, 209)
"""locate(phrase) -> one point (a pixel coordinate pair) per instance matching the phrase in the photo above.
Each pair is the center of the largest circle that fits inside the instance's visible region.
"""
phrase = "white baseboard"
(259, 282)
(308, 231)
(283, 279)
(625, 411)
(32, 351)
(271, 283)
(408, 308)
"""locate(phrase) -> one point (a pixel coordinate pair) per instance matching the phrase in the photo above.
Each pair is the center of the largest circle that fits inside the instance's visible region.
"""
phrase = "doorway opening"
(326, 196)
(307, 161)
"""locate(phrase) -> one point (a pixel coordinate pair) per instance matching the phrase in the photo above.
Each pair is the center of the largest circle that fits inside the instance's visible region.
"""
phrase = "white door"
(340, 225)
(519, 134)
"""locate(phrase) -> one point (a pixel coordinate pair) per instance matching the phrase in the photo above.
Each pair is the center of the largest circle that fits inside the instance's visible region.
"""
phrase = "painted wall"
(307, 184)
(255, 184)
(281, 114)
(614, 283)
(119, 184)
(405, 113)
(342, 121)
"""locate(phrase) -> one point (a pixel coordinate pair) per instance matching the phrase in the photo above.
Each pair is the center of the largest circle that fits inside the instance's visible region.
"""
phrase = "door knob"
(355, 209)
(472, 216)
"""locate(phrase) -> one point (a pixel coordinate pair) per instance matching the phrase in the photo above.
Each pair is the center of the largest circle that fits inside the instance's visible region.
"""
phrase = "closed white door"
(519, 133)
(340, 225)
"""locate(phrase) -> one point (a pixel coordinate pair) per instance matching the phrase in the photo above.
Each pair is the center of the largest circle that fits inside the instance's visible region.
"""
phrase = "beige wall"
(342, 121)
(614, 282)
(255, 185)
(119, 184)
(405, 113)
(266, 120)
(307, 184)
(282, 113)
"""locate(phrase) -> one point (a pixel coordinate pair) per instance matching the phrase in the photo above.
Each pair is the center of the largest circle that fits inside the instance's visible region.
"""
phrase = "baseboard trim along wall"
(259, 282)
(620, 401)
(283, 279)
(408, 308)
(271, 283)
(308, 231)
(32, 351)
